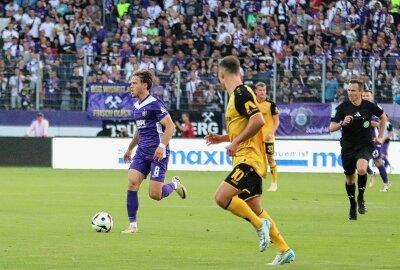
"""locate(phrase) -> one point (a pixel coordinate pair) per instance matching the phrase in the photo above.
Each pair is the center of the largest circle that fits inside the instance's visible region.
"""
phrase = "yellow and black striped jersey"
(242, 105)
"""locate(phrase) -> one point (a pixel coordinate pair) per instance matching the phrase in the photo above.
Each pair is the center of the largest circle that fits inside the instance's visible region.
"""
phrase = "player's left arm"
(46, 129)
(275, 118)
(168, 132)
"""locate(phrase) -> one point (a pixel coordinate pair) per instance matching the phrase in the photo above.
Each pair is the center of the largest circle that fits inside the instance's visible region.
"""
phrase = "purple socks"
(132, 205)
(167, 189)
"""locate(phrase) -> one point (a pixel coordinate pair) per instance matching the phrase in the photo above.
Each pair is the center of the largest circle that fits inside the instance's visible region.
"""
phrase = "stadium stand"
(304, 50)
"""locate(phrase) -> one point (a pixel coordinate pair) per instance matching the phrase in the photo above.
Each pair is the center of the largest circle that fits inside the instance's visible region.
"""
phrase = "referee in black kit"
(354, 118)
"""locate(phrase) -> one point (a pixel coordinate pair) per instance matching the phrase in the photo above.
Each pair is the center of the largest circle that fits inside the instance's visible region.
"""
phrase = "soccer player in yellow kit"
(241, 191)
(271, 116)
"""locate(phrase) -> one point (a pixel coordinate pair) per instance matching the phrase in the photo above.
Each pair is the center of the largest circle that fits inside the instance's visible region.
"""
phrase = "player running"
(154, 130)
(354, 118)
(241, 191)
(377, 154)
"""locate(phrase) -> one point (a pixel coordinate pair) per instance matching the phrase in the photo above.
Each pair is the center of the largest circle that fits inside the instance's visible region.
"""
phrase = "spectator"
(147, 64)
(25, 96)
(344, 6)
(152, 33)
(52, 92)
(213, 98)
(48, 28)
(8, 34)
(122, 8)
(186, 128)
(11, 8)
(75, 87)
(282, 13)
(198, 98)
(331, 86)
(154, 10)
(99, 33)
(163, 68)
(304, 19)
(190, 88)
(40, 127)
(130, 67)
(157, 90)
(93, 11)
(16, 84)
(4, 95)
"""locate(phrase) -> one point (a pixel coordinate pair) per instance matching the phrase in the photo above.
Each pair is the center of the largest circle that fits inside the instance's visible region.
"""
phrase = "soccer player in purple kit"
(377, 154)
(154, 130)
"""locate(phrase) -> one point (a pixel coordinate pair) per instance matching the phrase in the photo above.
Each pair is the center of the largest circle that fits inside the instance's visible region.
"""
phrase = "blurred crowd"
(300, 46)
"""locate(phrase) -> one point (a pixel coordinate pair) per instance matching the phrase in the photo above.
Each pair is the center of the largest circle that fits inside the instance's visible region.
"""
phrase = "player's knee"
(155, 195)
(133, 185)
(378, 162)
(361, 171)
(220, 200)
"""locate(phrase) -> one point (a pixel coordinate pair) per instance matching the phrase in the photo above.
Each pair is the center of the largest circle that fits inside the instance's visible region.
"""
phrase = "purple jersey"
(147, 115)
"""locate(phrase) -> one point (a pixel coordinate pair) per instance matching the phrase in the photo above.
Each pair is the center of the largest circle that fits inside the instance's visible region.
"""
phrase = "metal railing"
(59, 82)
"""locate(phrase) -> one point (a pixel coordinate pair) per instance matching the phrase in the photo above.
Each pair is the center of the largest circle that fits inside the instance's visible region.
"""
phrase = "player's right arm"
(134, 142)
(213, 138)
(382, 126)
(339, 120)
(30, 129)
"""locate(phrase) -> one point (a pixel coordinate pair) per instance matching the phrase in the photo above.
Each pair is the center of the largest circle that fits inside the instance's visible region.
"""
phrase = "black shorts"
(269, 148)
(244, 178)
(351, 155)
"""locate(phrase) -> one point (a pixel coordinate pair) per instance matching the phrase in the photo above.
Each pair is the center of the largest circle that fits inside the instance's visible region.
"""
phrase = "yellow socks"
(276, 237)
(240, 208)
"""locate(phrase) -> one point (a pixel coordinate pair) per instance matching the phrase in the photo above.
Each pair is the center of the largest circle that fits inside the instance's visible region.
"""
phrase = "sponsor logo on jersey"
(140, 123)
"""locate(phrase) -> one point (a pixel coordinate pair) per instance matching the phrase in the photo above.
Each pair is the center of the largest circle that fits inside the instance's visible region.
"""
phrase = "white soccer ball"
(102, 222)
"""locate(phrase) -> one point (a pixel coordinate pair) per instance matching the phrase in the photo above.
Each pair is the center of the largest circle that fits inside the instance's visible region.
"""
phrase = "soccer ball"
(102, 222)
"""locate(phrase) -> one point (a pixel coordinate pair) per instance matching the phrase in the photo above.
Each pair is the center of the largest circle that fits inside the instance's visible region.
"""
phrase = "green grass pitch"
(45, 219)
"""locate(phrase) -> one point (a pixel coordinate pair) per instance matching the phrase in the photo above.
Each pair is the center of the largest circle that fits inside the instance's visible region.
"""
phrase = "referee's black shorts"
(351, 155)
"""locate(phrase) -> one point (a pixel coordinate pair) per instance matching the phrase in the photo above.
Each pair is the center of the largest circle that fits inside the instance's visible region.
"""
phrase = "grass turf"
(45, 224)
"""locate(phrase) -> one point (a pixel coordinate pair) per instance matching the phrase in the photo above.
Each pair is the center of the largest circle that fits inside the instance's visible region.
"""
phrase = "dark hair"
(230, 64)
(145, 76)
(357, 81)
